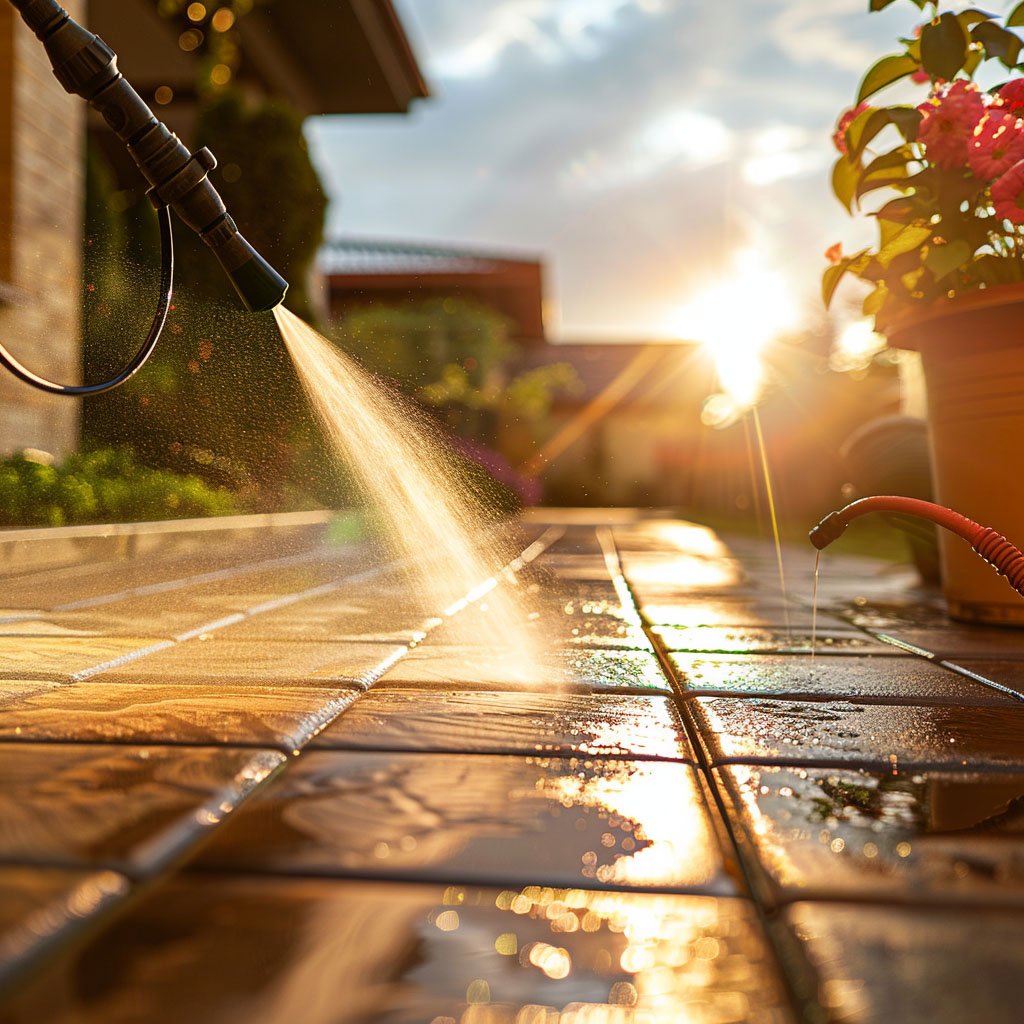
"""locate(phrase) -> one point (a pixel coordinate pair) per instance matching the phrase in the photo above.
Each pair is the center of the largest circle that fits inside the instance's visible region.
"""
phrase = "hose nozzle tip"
(831, 528)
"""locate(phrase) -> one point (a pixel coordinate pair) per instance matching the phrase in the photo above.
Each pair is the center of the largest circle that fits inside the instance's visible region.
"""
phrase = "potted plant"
(944, 178)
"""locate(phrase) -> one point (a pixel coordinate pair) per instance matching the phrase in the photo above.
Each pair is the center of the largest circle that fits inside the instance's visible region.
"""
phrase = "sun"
(735, 319)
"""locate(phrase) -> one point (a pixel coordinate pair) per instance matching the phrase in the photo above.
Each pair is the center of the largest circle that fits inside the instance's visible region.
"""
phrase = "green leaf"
(998, 42)
(879, 5)
(871, 121)
(845, 177)
(944, 259)
(855, 140)
(884, 72)
(834, 274)
(902, 210)
(972, 16)
(943, 47)
(907, 120)
(875, 298)
(1016, 17)
(911, 237)
(895, 177)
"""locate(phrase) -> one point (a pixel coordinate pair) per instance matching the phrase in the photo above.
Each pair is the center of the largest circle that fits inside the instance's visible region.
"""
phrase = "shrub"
(106, 485)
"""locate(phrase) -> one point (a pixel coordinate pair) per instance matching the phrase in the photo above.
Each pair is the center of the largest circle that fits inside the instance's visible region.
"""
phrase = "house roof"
(323, 56)
(363, 256)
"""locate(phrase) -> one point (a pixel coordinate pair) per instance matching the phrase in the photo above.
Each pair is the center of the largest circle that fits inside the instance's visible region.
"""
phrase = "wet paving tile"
(479, 667)
(912, 965)
(61, 657)
(12, 691)
(737, 611)
(483, 819)
(273, 951)
(43, 908)
(758, 730)
(305, 623)
(958, 641)
(194, 713)
(215, 657)
(135, 809)
(930, 836)
(874, 678)
(1008, 674)
(489, 722)
(752, 640)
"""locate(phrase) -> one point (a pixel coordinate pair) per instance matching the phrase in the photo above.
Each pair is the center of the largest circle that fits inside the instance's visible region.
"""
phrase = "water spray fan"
(178, 179)
(1006, 558)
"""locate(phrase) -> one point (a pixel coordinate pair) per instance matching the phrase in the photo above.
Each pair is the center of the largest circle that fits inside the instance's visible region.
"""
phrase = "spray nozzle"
(85, 65)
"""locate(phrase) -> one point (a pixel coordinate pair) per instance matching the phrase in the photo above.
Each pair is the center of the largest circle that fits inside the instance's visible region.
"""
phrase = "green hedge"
(106, 485)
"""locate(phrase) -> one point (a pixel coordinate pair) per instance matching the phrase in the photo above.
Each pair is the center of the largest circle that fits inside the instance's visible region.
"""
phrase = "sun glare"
(735, 320)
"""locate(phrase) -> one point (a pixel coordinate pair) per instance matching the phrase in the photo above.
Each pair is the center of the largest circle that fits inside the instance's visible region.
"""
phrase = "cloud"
(637, 145)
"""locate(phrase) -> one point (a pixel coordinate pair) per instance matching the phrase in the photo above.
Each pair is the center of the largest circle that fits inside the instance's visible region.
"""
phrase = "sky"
(651, 152)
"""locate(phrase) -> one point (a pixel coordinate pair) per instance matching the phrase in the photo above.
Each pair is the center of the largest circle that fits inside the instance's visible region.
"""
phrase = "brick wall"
(41, 181)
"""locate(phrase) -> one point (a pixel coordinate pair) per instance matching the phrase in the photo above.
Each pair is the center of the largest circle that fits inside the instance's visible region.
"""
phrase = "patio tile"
(487, 668)
(933, 837)
(43, 908)
(480, 819)
(308, 622)
(14, 690)
(170, 712)
(752, 640)
(131, 808)
(875, 678)
(737, 611)
(1006, 673)
(270, 951)
(60, 657)
(912, 965)
(840, 733)
(958, 641)
(215, 657)
(502, 723)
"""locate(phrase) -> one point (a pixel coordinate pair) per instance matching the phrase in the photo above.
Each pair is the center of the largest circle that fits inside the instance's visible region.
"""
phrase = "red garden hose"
(994, 548)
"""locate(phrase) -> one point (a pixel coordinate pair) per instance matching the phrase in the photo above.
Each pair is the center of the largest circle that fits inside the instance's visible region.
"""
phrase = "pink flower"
(949, 122)
(920, 76)
(997, 145)
(1011, 95)
(1008, 194)
(839, 135)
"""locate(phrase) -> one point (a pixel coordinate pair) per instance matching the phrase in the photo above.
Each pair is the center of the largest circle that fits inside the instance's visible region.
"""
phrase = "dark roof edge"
(422, 89)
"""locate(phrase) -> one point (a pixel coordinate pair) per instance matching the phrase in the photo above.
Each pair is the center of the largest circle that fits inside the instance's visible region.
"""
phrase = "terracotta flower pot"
(972, 350)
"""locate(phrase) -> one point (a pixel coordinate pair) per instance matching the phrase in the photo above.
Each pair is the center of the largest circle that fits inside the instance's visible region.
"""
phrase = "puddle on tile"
(131, 808)
(268, 951)
(897, 680)
(482, 819)
(191, 712)
(521, 723)
(912, 965)
(930, 836)
(840, 732)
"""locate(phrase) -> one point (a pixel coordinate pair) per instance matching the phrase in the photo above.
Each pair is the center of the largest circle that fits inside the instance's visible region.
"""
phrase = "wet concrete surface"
(259, 781)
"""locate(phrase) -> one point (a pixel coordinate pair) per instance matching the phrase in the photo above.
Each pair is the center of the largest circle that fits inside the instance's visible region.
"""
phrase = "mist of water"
(427, 516)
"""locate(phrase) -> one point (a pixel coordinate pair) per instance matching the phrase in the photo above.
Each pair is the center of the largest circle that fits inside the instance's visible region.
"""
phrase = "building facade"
(41, 184)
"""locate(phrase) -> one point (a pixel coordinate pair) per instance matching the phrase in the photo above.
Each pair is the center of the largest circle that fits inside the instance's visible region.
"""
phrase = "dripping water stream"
(774, 518)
